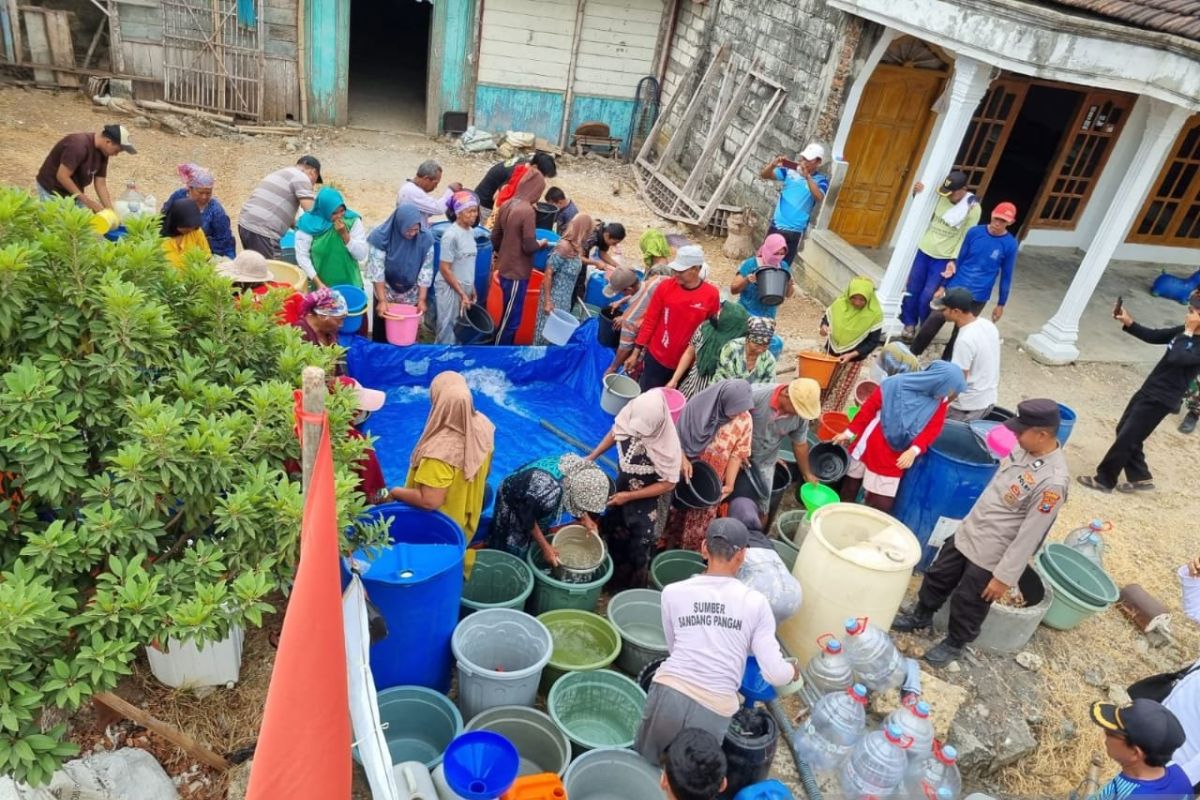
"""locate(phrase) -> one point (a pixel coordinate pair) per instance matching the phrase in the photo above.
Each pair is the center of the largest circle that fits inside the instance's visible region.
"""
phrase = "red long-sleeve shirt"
(673, 316)
(879, 457)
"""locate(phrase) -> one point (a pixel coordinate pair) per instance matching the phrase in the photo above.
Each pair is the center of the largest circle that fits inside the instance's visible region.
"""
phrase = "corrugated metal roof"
(1179, 17)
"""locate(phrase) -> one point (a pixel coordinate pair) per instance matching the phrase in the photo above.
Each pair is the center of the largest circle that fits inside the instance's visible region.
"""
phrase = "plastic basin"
(551, 594)
(500, 654)
(816, 495)
(702, 491)
(480, 765)
(583, 642)
(790, 526)
(1079, 574)
(608, 774)
(1066, 611)
(670, 566)
(637, 615)
(580, 553)
(828, 462)
(421, 723)
(596, 709)
(498, 580)
(542, 747)
(559, 327)
(618, 390)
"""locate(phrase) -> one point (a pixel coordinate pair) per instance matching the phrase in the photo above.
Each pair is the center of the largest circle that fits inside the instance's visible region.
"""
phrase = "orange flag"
(304, 744)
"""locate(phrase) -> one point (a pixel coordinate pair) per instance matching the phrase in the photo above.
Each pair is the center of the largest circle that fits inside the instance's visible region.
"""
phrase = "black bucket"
(475, 326)
(606, 334)
(749, 747)
(998, 414)
(784, 476)
(546, 215)
(748, 484)
(702, 491)
(772, 285)
(828, 462)
(645, 678)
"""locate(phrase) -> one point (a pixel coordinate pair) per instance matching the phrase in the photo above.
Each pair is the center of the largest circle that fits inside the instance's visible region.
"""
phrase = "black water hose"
(808, 780)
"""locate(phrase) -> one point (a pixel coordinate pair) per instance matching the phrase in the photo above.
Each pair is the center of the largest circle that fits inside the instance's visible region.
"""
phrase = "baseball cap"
(958, 298)
(730, 531)
(1145, 723)
(805, 394)
(1036, 413)
(119, 134)
(1005, 211)
(311, 161)
(689, 256)
(619, 280)
(813, 150)
(954, 181)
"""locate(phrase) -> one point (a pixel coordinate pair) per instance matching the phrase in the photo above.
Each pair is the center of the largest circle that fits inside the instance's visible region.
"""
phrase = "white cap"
(688, 256)
(814, 150)
(369, 399)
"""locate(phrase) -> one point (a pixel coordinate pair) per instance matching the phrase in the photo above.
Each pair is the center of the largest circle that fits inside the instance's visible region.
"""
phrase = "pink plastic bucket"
(1001, 441)
(675, 402)
(401, 322)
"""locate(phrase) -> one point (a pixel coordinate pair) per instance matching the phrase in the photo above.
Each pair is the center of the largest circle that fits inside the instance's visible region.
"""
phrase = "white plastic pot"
(184, 665)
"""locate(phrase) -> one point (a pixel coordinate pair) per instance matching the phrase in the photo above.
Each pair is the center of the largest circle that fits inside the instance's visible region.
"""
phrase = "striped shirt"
(272, 208)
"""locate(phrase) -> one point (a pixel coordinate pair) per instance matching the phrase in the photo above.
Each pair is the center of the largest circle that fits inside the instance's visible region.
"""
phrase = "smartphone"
(789, 164)
(1119, 307)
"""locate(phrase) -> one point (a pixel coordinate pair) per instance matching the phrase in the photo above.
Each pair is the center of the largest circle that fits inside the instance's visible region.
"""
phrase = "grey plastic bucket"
(611, 773)
(539, 742)
(420, 724)
(498, 580)
(637, 616)
(500, 654)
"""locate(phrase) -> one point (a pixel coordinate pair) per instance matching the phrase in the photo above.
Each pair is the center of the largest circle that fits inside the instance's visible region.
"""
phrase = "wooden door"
(213, 55)
(885, 141)
(989, 131)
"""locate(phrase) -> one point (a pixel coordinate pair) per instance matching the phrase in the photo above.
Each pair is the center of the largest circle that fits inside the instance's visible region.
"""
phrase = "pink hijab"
(768, 254)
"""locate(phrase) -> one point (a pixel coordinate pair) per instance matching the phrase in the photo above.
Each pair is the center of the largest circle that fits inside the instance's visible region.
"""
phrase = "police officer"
(986, 556)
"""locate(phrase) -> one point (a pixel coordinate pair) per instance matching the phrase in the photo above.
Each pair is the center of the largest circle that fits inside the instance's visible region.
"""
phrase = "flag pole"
(313, 384)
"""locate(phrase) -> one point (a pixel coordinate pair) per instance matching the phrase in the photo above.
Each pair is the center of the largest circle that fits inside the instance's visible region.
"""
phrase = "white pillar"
(967, 87)
(1055, 342)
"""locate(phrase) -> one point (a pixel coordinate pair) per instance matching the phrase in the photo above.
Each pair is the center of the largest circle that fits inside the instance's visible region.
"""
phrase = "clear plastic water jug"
(1088, 541)
(828, 671)
(833, 728)
(873, 656)
(914, 721)
(936, 776)
(877, 765)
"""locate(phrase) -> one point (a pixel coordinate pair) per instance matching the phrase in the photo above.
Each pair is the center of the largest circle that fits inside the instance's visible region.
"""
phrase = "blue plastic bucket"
(416, 583)
(483, 256)
(943, 484)
(540, 257)
(1067, 423)
(356, 303)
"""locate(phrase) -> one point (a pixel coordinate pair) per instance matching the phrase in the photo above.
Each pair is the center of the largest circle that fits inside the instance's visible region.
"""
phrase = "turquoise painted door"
(328, 60)
(449, 51)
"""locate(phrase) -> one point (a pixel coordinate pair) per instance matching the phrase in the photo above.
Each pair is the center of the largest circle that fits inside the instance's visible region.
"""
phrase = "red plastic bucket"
(832, 423)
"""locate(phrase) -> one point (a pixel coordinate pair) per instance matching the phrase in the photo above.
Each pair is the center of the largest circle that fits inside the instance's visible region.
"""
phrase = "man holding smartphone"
(803, 188)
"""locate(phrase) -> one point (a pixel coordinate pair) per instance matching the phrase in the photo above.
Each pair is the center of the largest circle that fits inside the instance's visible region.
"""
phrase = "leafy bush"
(145, 420)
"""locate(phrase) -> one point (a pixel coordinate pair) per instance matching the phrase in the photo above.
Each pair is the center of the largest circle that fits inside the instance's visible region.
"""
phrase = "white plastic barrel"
(855, 562)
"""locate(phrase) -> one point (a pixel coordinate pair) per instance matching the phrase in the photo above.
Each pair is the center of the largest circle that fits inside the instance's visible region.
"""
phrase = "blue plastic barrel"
(540, 257)
(416, 583)
(1066, 424)
(594, 296)
(483, 256)
(943, 484)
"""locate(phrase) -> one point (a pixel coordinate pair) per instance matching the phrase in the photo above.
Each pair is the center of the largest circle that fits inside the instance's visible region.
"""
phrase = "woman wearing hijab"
(899, 421)
(749, 357)
(181, 231)
(514, 240)
(649, 459)
(563, 267)
(198, 187)
(854, 327)
(656, 252)
(321, 315)
(745, 284)
(715, 427)
(448, 469)
(698, 365)
(763, 570)
(330, 241)
(534, 497)
(454, 284)
(400, 263)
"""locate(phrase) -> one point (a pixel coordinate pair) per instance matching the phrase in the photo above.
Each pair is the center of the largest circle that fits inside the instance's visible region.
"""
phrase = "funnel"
(815, 495)
(481, 765)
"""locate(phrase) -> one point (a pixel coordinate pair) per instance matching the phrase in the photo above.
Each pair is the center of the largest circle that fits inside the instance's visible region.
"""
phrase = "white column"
(1055, 342)
(967, 87)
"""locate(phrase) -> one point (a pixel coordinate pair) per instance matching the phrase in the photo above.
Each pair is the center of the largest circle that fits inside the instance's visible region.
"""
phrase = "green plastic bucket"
(1088, 581)
(498, 580)
(609, 773)
(1066, 610)
(551, 594)
(597, 709)
(582, 642)
(670, 566)
(637, 615)
(787, 551)
(420, 724)
(541, 745)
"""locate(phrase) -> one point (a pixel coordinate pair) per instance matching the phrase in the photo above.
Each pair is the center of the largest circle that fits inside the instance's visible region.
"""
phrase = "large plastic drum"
(416, 584)
(938, 491)
(1066, 423)
(528, 323)
(483, 255)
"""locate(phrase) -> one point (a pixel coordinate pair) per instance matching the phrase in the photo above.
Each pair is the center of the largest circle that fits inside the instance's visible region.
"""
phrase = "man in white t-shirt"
(1184, 699)
(976, 350)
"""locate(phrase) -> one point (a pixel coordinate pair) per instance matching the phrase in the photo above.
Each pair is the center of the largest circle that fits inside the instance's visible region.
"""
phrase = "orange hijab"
(455, 432)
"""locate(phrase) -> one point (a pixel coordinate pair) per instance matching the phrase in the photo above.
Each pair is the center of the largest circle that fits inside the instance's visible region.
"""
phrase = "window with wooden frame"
(1171, 214)
(989, 131)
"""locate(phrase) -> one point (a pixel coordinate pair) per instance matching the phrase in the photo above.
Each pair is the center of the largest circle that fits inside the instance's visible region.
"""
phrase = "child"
(1141, 737)
(566, 209)
(693, 766)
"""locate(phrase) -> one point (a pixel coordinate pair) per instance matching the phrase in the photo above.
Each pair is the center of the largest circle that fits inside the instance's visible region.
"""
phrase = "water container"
(419, 724)
(500, 654)
(766, 790)
(873, 656)
(749, 746)
(609, 773)
(560, 327)
(416, 583)
(493, 301)
(542, 746)
(637, 615)
(582, 642)
(1087, 540)
(414, 781)
(596, 709)
(877, 765)
(1066, 423)
(832, 730)
(939, 490)
(827, 672)
(935, 776)
(913, 719)
(670, 566)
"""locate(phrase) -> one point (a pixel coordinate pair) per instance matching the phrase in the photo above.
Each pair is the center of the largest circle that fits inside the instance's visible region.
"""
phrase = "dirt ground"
(1153, 532)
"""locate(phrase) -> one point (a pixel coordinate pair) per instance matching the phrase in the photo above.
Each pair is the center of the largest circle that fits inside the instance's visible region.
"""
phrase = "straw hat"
(248, 267)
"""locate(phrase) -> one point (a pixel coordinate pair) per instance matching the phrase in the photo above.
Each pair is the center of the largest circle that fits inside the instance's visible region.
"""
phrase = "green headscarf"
(318, 219)
(653, 244)
(729, 324)
(848, 325)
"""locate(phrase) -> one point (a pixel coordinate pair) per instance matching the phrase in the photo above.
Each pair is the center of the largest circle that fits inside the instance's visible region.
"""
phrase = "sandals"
(1092, 483)
(1131, 487)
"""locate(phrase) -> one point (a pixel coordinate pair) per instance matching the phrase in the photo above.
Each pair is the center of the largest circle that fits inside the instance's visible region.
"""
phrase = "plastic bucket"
(670, 566)
(580, 553)
(1066, 423)
(607, 774)
(416, 584)
(475, 326)
(791, 526)
(606, 334)
(828, 462)
(749, 746)
(618, 390)
(702, 491)
(1008, 629)
(356, 306)
(551, 594)
(540, 257)
(559, 327)
(480, 765)
(787, 552)
(541, 746)
(1079, 574)
(597, 709)
(419, 724)
(1067, 609)
(772, 285)
(998, 414)
(816, 365)
(545, 215)
(783, 476)
(583, 642)
(401, 322)
(831, 424)
(676, 400)
(498, 580)
(500, 653)
(637, 615)
(864, 390)
(943, 484)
